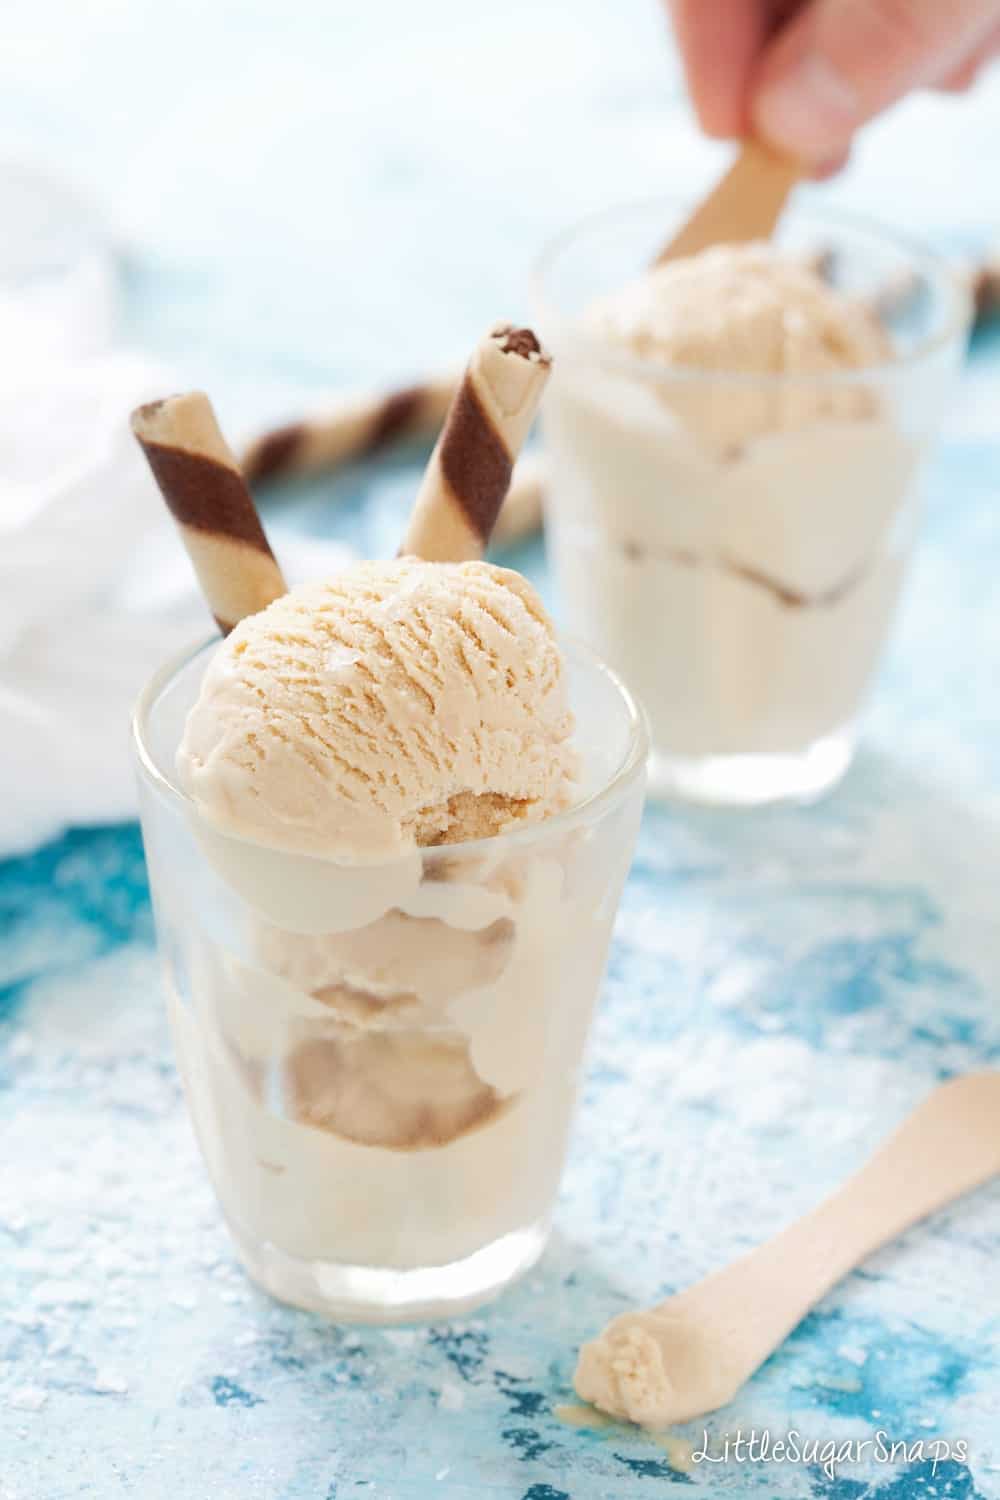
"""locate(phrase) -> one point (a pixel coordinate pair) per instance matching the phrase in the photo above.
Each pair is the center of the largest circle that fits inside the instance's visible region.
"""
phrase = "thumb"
(839, 62)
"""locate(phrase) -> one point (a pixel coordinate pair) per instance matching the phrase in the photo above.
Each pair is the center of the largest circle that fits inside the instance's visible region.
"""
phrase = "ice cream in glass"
(387, 820)
(735, 439)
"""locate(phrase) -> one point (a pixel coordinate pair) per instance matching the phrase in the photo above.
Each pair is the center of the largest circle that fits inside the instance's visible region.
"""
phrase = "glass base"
(753, 780)
(363, 1294)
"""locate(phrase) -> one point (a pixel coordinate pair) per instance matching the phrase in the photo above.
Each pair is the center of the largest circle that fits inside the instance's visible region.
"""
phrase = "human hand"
(805, 74)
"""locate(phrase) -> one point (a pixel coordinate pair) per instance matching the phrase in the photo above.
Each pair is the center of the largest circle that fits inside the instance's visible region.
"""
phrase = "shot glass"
(743, 588)
(381, 1062)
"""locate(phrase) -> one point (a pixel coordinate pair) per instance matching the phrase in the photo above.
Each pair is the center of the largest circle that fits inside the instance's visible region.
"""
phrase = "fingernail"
(810, 111)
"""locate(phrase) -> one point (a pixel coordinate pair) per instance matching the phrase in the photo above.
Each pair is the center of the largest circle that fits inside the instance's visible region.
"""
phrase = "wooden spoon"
(745, 206)
(692, 1354)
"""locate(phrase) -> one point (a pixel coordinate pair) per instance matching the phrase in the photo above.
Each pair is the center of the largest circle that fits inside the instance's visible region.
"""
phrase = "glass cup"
(734, 544)
(381, 1062)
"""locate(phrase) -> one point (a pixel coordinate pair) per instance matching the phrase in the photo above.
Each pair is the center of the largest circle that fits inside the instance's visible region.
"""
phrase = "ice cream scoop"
(742, 310)
(746, 311)
(396, 705)
(692, 1354)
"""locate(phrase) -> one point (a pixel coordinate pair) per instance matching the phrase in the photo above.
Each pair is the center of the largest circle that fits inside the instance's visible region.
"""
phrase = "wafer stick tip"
(151, 413)
(146, 413)
(522, 341)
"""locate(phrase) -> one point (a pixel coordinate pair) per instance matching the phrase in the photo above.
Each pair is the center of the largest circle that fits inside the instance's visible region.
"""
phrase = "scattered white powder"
(28, 1398)
(451, 1398)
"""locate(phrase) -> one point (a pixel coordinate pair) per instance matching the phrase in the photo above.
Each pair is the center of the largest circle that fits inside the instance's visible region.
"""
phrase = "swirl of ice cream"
(397, 704)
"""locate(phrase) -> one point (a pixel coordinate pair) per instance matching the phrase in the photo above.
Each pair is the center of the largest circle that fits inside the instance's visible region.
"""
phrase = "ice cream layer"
(745, 310)
(397, 704)
(412, 1117)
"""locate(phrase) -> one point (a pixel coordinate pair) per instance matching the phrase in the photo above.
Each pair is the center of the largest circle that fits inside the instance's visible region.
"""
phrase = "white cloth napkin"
(95, 592)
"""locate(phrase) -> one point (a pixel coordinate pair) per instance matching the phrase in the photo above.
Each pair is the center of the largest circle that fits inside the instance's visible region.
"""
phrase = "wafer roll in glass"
(215, 514)
(470, 469)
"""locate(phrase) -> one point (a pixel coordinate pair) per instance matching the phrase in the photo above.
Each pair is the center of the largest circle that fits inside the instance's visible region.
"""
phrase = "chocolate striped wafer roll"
(470, 469)
(215, 514)
(325, 448)
(356, 427)
(364, 426)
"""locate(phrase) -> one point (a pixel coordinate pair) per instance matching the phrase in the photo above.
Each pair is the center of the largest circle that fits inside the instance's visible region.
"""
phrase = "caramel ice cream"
(382, 1063)
(730, 505)
(384, 878)
(398, 704)
(747, 311)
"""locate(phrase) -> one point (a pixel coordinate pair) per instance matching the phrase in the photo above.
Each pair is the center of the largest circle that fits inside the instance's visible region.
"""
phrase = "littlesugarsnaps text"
(760, 1446)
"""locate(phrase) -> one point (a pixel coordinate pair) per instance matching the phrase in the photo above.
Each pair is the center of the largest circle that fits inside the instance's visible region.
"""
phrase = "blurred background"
(305, 194)
(279, 201)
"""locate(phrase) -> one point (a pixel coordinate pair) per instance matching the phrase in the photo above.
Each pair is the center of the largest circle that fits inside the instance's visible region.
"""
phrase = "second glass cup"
(381, 1061)
(744, 587)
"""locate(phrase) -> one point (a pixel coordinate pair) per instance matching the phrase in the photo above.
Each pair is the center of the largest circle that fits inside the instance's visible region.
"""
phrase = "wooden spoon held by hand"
(692, 1354)
(745, 206)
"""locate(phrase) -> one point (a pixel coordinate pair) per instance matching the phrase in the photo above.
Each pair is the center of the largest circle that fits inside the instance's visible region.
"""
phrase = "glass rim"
(955, 325)
(588, 809)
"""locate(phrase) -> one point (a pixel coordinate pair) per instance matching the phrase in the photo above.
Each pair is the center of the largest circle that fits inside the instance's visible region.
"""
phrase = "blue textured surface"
(783, 986)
